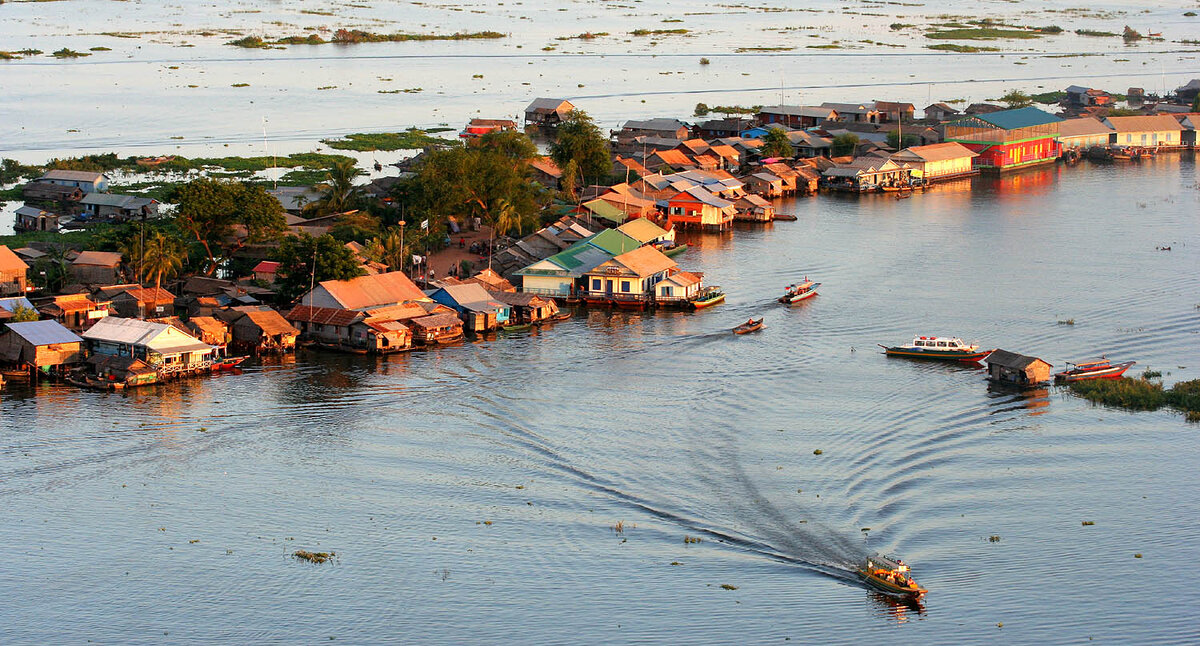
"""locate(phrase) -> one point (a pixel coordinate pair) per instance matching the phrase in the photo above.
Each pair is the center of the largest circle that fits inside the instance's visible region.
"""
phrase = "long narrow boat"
(709, 297)
(1100, 368)
(890, 575)
(797, 293)
(516, 327)
(749, 326)
(937, 347)
(227, 363)
(671, 252)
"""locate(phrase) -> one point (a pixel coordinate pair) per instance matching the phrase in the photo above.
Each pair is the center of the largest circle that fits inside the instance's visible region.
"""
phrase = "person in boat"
(750, 321)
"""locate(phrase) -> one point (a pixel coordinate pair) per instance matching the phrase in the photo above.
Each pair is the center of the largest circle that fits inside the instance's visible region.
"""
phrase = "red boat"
(1097, 369)
(226, 363)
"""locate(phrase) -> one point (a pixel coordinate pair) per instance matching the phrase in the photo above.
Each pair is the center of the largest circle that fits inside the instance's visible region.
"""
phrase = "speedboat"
(1100, 368)
(796, 293)
(937, 347)
(890, 575)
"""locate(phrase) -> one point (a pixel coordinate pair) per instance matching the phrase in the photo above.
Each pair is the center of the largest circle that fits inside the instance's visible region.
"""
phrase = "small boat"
(796, 293)
(227, 363)
(561, 316)
(937, 347)
(786, 217)
(896, 189)
(517, 327)
(1096, 369)
(709, 297)
(749, 326)
(902, 196)
(675, 250)
(890, 575)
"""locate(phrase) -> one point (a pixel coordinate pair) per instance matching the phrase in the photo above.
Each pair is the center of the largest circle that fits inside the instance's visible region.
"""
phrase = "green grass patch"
(962, 49)
(69, 53)
(983, 33)
(1049, 98)
(81, 238)
(658, 32)
(352, 36)
(1142, 394)
(829, 46)
(411, 139)
(99, 49)
(1093, 32)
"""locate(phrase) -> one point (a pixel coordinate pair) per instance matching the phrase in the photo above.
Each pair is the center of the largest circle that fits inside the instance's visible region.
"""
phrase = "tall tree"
(389, 249)
(163, 257)
(517, 146)
(305, 260)
(338, 192)
(1016, 99)
(893, 139)
(580, 139)
(223, 216)
(776, 144)
(843, 144)
(570, 180)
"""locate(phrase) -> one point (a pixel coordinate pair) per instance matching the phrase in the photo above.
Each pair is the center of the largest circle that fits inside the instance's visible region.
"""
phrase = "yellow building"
(1083, 133)
(628, 278)
(1157, 130)
(937, 161)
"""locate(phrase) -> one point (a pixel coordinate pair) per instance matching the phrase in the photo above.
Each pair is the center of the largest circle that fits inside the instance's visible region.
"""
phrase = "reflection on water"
(897, 609)
(507, 461)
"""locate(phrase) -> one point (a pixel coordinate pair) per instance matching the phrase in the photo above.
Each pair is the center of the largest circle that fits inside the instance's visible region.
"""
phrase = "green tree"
(389, 249)
(1196, 104)
(357, 226)
(1016, 99)
(164, 257)
(776, 144)
(893, 139)
(305, 260)
(514, 145)
(570, 179)
(580, 139)
(53, 271)
(844, 144)
(701, 110)
(223, 216)
(22, 314)
(338, 192)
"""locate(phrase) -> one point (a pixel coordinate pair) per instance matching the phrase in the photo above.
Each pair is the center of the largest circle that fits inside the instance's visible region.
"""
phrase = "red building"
(1008, 139)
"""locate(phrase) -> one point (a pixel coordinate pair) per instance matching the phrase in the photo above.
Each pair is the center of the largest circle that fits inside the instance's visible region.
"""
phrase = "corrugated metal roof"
(159, 337)
(115, 199)
(1082, 127)
(44, 332)
(1018, 118)
(645, 261)
(74, 175)
(12, 302)
(1156, 123)
(98, 258)
(366, 291)
(10, 261)
(642, 230)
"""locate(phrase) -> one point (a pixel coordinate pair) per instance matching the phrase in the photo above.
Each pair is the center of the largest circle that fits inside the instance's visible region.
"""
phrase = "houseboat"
(1100, 368)
(890, 575)
(937, 347)
(796, 293)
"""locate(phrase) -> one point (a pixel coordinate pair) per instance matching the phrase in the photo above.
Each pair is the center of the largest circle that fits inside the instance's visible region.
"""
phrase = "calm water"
(167, 515)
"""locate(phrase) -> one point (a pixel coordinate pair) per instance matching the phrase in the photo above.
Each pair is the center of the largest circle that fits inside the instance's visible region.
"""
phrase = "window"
(941, 344)
(595, 284)
(920, 343)
(625, 286)
(666, 290)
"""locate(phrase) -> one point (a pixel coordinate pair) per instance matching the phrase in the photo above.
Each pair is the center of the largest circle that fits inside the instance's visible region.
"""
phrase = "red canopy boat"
(1096, 369)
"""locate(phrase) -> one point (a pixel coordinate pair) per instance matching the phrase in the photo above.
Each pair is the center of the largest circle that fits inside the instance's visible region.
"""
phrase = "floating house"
(364, 292)
(667, 128)
(86, 181)
(696, 207)
(940, 112)
(1008, 139)
(210, 330)
(1017, 369)
(526, 307)
(51, 195)
(262, 331)
(118, 208)
(1083, 133)
(144, 303)
(478, 310)
(479, 127)
(40, 345)
(436, 329)
(96, 267)
(854, 112)
(375, 332)
(166, 348)
(627, 280)
(75, 311)
(938, 161)
(865, 174)
(558, 275)
(1160, 130)
(894, 111)
(796, 116)
(13, 272)
(547, 112)
(727, 127)
(32, 218)
(647, 232)
(678, 287)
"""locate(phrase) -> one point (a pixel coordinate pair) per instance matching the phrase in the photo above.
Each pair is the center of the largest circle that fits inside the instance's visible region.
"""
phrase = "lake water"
(471, 492)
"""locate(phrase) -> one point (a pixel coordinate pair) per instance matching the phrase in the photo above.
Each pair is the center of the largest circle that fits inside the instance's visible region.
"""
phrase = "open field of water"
(472, 494)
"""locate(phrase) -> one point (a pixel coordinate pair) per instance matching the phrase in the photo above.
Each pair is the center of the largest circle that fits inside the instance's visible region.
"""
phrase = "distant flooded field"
(653, 478)
(159, 78)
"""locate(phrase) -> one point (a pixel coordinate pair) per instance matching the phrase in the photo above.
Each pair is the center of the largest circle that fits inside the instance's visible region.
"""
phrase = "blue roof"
(44, 332)
(1018, 118)
(11, 303)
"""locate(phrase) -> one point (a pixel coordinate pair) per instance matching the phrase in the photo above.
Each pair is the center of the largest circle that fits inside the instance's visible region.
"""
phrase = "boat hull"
(944, 355)
(699, 305)
(1110, 372)
(747, 328)
(676, 250)
(889, 587)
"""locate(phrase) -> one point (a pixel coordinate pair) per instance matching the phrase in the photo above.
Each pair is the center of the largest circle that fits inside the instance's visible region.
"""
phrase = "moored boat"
(749, 326)
(890, 575)
(517, 327)
(227, 363)
(709, 297)
(937, 347)
(1100, 368)
(796, 293)
(673, 251)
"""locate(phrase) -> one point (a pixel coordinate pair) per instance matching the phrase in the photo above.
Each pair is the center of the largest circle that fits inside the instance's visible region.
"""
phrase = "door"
(608, 287)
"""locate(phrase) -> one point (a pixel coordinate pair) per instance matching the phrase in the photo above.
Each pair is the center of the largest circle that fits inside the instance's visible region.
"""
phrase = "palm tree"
(388, 249)
(504, 219)
(164, 257)
(338, 188)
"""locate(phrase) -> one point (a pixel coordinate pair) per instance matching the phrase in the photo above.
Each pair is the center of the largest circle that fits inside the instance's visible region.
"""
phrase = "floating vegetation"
(1093, 32)
(962, 49)
(981, 33)
(1088, 523)
(726, 586)
(99, 49)
(1066, 322)
(1151, 374)
(69, 53)
(587, 35)
(994, 538)
(691, 540)
(240, 85)
(817, 451)
(676, 563)
(897, 26)
(1142, 394)
(658, 32)
(1137, 555)
(619, 527)
(704, 61)
(411, 139)
(742, 50)
(411, 90)
(314, 557)
(352, 36)
(1049, 98)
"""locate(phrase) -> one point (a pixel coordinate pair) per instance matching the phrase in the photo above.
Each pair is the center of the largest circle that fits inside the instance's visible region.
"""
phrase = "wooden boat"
(896, 189)
(227, 363)
(15, 374)
(709, 297)
(802, 292)
(749, 326)
(937, 347)
(516, 327)
(561, 316)
(891, 575)
(902, 196)
(1096, 369)
(786, 217)
(671, 252)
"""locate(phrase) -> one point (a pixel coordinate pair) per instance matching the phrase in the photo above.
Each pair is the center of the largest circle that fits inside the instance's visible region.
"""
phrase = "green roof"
(586, 254)
(611, 240)
(1018, 118)
(602, 209)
